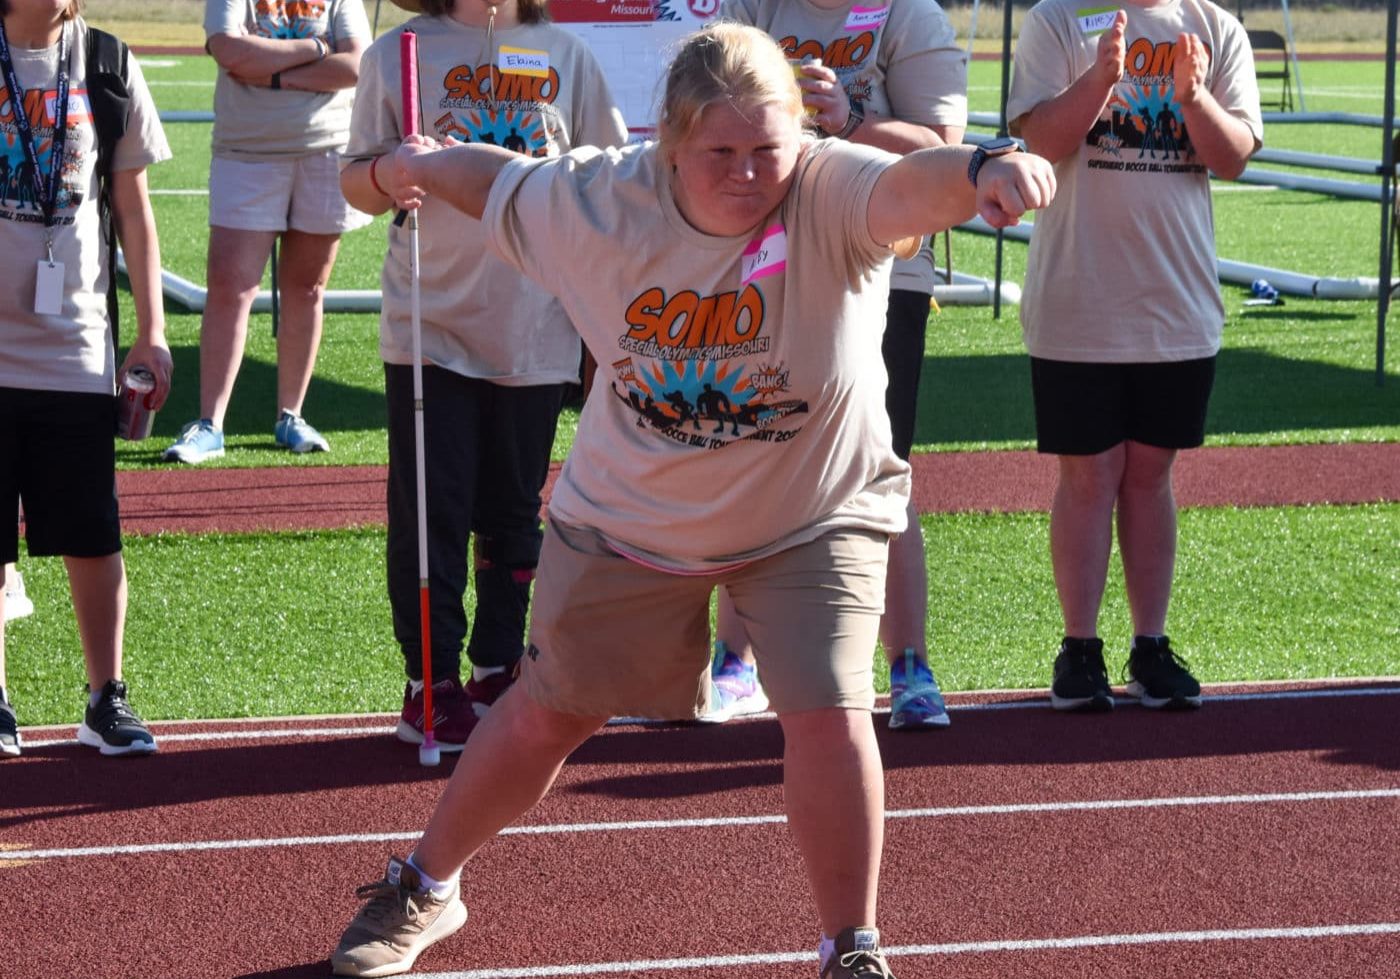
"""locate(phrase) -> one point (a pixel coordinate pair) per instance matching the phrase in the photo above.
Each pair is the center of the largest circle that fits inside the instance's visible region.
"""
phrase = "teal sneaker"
(734, 688)
(295, 434)
(915, 700)
(198, 441)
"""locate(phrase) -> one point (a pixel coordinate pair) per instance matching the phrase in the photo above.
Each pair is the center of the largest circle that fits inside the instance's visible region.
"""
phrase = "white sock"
(415, 687)
(437, 888)
(480, 673)
(826, 950)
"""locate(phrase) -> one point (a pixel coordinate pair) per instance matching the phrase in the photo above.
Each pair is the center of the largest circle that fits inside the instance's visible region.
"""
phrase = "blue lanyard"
(46, 192)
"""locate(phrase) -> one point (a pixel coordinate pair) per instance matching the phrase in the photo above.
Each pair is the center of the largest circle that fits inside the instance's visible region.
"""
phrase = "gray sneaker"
(857, 956)
(294, 433)
(396, 924)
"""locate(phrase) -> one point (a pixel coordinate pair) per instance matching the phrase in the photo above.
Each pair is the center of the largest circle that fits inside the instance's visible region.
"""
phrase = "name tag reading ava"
(866, 18)
(765, 255)
(523, 61)
(1095, 20)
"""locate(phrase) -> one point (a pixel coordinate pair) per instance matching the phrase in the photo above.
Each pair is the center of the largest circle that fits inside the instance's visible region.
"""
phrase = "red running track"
(1258, 837)
(296, 497)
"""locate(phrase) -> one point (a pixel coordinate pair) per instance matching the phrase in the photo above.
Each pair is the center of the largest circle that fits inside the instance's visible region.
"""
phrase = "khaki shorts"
(298, 194)
(611, 637)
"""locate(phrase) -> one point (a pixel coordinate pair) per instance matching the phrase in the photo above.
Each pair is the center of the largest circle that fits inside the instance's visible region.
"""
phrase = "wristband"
(854, 118)
(276, 80)
(374, 182)
(322, 49)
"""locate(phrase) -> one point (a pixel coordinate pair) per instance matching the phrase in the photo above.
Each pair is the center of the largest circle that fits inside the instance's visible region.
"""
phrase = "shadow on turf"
(977, 399)
(331, 406)
(679, 762)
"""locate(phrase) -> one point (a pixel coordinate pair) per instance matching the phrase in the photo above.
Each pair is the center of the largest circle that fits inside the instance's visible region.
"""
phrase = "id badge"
(48, 288)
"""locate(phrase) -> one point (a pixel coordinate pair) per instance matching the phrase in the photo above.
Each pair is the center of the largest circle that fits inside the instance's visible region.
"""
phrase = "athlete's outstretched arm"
(928, 191)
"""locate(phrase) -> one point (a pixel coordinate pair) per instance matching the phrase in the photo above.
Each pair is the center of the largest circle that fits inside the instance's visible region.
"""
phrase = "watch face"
(998, 146)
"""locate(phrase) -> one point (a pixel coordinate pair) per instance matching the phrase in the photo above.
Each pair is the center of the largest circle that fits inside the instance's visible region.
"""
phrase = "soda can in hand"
(135, 419)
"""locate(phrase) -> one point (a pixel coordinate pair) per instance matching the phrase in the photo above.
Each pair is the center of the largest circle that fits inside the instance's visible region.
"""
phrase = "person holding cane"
(497, 349)
(734, 255)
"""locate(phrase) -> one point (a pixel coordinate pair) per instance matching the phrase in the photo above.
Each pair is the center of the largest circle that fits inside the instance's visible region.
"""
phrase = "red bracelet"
(372, 164)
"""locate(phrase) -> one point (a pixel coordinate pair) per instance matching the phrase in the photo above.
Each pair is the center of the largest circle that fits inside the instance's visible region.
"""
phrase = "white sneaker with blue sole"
(199, 441)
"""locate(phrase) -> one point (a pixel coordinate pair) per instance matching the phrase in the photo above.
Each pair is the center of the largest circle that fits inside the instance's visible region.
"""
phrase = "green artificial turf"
(298, 623)
(260, 625)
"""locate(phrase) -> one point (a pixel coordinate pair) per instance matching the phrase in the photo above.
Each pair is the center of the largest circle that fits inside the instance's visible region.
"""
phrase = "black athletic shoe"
(113, 727)
(1081, 679)
(1159, 678)
(9, 730)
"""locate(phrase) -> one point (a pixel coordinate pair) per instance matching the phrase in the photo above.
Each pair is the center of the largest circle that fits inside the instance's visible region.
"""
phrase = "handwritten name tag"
(1095, 20)
(78, 108)
(766, 255)
(866, 18)
(523, 61)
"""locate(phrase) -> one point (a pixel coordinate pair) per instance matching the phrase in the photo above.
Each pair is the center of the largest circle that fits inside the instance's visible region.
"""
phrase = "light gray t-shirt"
(897, 58)
(1122, 265)
(254, 123)
(739, 404)
(480, 317)
(71, 351)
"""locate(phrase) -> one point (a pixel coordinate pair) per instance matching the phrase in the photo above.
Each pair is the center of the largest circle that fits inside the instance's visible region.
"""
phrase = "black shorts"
(60, 461)
(1085, 409)
(906, 322)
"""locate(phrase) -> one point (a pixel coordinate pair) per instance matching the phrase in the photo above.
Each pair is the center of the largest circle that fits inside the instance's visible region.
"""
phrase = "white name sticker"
(766, 255)
(48, 288)
(866, 18)
(1096, 20)
(78, 108)
(523, 61)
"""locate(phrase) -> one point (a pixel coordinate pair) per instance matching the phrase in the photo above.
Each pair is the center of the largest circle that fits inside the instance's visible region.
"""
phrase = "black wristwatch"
(853, 120)
(1000, 146)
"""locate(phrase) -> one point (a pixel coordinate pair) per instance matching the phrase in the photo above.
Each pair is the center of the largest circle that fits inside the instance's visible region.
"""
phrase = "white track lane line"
(645, 825)
(648, 966)
(317, 733)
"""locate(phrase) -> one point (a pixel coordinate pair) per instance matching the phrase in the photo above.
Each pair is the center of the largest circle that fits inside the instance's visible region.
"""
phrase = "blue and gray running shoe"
(294, 433)
(198, 441)
(915, 700)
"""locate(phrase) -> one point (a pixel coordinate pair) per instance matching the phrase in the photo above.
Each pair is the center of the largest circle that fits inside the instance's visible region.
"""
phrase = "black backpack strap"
(109, 95)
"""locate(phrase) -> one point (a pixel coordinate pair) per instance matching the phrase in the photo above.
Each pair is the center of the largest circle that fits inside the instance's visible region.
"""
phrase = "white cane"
(428, 752)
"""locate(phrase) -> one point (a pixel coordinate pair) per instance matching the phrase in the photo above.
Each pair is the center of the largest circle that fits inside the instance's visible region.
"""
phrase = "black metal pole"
(1388, 191)
(1002, 131)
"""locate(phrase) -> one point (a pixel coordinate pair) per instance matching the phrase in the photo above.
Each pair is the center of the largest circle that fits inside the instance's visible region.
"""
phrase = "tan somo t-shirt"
(739, 404)
(254, 123)
(1122, 265)
(70, 351)
(481, 318)
(898, 58)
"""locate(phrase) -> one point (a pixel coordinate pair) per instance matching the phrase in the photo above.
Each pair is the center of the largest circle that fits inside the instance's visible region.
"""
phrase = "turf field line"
(298, 733)
(645, 825)
(178, 192)
(267, 734)
(645, 966)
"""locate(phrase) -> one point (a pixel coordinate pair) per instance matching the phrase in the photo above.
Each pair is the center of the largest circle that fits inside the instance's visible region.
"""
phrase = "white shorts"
(298, 194)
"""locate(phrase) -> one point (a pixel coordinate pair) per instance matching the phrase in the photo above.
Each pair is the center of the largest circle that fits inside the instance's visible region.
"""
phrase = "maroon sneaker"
(481, 694)
(453, 718)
